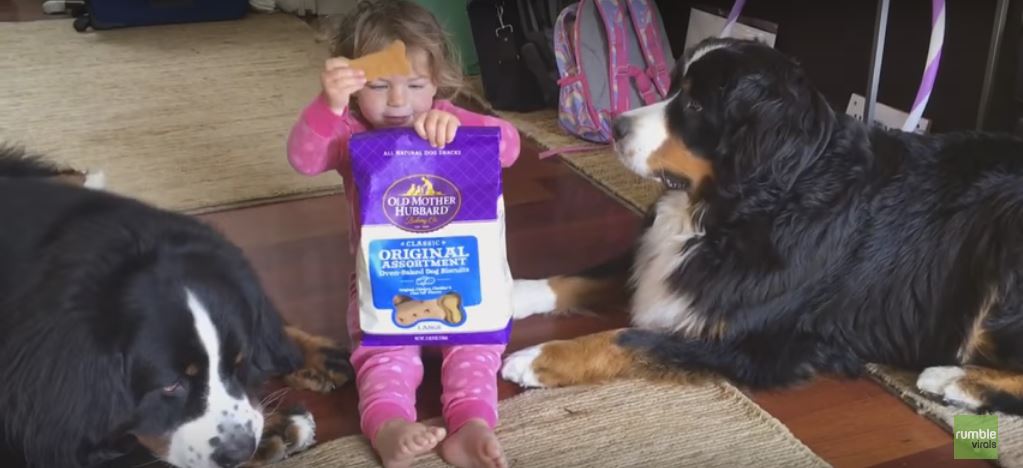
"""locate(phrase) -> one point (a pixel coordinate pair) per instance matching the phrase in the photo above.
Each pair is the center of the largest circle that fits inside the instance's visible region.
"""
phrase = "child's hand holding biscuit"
(339, 82)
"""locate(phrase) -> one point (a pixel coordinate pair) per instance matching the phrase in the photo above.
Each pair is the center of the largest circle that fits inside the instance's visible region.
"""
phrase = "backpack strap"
(564, 150)
(570, 69)
(644, 84)
(612, 16)
(644, 22)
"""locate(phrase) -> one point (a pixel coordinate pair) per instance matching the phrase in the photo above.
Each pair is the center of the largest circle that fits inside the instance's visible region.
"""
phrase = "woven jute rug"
(623, 424)
(599, 165)
(190, 117)
(903, 384)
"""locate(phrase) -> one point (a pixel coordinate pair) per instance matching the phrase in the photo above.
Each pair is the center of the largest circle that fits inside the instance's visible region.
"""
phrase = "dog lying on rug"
(794, 240)
(125, 327)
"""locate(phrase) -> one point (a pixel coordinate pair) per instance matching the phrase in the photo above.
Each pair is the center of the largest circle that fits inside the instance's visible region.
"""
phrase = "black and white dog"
(794, 240)
(124, 326)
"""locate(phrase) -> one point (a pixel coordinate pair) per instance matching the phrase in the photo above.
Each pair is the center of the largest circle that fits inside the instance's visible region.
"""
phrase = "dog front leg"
(604, 288)
(755, 362)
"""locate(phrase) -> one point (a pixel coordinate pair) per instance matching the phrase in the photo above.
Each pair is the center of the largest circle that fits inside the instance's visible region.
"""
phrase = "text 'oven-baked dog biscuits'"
(432, 265)
(385, 62)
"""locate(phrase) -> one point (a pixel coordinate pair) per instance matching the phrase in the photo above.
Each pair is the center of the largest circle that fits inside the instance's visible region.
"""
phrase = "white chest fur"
(655, 304)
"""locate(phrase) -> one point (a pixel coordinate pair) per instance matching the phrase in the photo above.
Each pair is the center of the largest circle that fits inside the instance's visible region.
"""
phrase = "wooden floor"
(21, 10)
(557, 222)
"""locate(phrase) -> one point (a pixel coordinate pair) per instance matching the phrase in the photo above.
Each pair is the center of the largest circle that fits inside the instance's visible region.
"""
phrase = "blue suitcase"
(110, 14)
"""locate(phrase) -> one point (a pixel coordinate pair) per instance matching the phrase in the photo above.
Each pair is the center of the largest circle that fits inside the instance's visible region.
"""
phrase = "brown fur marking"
(272, 449)
(291, 435)
(326, 366)
(676, 158)
(981, 380)
(576, 292)
(157, 445)
(278, 440)
(598, 358)
(718, 331)
(978, 348)
(69, 178)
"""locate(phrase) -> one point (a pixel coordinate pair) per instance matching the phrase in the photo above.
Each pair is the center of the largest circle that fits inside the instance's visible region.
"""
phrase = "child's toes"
(437, 434)
(492, 452)
(425, 439)
(418, 442)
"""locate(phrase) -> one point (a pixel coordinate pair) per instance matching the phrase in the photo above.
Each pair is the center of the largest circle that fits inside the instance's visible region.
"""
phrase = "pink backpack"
(613, 56)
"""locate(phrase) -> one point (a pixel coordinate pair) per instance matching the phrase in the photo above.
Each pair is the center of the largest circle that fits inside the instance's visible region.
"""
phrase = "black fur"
(93, 322)
(828, 244)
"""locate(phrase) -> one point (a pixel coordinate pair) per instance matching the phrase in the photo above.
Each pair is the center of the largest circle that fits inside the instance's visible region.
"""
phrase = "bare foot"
(399, 442)
(473, 446)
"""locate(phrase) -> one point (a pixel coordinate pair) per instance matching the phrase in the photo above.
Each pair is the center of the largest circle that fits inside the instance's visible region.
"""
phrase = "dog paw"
(284, 434)
(944, 382)
(326, 366)
(518, 367)
(934, 380)
(531, 297)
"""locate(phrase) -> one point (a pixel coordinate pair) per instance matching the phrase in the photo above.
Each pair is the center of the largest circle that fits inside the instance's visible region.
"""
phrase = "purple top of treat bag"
(406, 182)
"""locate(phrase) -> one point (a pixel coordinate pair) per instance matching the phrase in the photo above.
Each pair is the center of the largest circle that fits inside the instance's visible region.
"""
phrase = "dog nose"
(620, 128)
(233, 449)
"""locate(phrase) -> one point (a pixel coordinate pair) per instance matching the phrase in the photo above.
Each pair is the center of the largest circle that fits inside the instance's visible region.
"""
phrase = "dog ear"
(274, 353)
(775, 127)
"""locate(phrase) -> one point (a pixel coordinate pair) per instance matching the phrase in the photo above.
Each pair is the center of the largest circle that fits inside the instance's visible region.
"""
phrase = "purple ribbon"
(733, 17)
(923, 94)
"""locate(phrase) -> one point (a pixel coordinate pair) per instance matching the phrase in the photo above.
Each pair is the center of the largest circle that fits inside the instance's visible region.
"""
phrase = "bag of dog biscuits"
(432, 266)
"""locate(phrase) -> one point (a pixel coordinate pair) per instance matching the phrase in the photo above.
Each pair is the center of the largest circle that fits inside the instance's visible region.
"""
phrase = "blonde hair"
(373, 25)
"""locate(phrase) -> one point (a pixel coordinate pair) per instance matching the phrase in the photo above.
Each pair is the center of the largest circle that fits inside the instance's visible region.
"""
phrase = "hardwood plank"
(23, 10)
(842, 416)
(937, 456)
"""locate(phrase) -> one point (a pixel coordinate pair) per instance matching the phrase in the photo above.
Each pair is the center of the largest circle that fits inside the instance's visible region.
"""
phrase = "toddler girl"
(387, 377)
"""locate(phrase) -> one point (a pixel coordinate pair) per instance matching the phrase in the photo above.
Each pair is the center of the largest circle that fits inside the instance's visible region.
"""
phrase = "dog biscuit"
(389, 61)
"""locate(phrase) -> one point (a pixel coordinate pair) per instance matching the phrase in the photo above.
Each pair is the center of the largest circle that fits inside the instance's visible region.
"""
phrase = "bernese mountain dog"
(129, 332)
(793, 240)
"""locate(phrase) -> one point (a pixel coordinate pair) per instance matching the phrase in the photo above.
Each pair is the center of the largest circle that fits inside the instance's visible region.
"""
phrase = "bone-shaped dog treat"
(388, 61)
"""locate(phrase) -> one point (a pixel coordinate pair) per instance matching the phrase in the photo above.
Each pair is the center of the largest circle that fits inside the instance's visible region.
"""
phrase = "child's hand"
(437, 127)
(339, 82)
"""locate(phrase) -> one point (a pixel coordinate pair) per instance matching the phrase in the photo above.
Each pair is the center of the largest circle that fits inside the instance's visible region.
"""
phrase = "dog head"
(446, 308)
(738, 111)
(158, 338)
